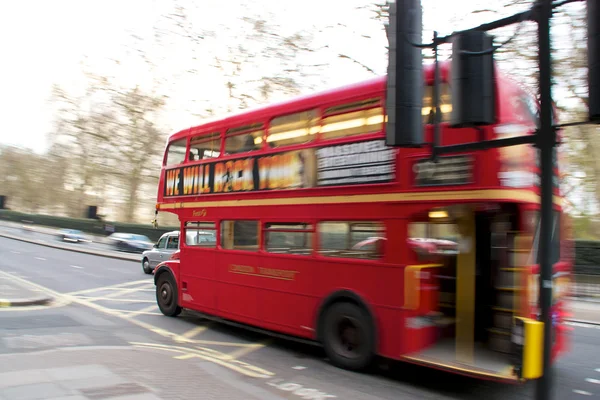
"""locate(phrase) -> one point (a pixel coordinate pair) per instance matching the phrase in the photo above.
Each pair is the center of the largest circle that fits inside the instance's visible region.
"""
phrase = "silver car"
(162, 250)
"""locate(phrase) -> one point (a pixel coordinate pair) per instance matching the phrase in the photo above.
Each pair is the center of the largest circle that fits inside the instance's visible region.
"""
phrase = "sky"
(46, 43)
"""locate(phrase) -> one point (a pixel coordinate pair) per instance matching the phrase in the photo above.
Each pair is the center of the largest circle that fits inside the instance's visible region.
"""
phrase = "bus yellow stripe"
(459, 195)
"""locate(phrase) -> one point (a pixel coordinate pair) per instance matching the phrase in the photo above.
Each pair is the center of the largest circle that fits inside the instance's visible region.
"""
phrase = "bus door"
(475, 309)
(197, 265)
(239, 266)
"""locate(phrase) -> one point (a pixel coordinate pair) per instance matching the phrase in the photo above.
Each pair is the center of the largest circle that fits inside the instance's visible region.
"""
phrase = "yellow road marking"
(247, 350)
(193, 332)
(110, 287)
(203, 353)
(89, 298)
(212, 356)
(143, 311)
(120, 292)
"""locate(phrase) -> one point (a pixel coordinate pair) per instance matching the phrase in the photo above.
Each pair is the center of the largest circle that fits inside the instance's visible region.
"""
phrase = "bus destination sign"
(355, 163)
(452, 170)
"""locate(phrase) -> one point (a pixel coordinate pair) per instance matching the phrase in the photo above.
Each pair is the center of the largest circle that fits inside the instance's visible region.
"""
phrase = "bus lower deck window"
(239, 235)
(289, 238)
(355, 239)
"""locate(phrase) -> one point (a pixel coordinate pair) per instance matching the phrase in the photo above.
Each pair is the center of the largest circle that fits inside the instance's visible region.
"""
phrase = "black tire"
(348, 336)
(146, 266)
(166, 295)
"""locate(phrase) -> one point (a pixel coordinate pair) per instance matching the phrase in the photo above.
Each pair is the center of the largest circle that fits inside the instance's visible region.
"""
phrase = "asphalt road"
(107, 302)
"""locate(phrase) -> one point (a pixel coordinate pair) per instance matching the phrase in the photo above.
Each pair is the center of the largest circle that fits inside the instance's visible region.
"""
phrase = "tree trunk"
(132, 189)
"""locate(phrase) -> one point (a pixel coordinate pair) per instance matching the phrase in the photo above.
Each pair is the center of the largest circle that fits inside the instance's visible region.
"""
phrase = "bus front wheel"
(348, 336)
(166, 295)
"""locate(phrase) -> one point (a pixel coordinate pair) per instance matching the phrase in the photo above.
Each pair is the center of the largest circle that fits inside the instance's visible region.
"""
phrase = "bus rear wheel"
(166, 295)
(348, 336)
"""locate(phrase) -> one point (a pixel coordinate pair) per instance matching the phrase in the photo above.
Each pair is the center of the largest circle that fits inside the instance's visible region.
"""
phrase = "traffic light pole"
(406, 18)
(546, 142)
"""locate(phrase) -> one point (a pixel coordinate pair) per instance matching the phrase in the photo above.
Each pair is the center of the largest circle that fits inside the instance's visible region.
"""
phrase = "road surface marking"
(597, 369)
(111, 287)
(212, 356)
(144, 311)
(126, 314)
(15, 252)
(247, 350)
(115, 299)
(193, 332)
(582, 392)
(120, 291)
(591, 380)
(76, 266)
(300, 390)
(203, 353)
(40, 258)
(299, 367)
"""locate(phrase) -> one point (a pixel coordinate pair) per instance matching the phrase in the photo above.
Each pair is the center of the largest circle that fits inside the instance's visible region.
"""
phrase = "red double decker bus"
(297, 218)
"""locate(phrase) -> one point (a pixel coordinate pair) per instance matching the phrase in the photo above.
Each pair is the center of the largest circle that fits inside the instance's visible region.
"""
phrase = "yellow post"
(465, 289)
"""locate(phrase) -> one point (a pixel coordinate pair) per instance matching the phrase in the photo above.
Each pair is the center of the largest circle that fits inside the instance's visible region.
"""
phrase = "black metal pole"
(436, 100)
(546, 143)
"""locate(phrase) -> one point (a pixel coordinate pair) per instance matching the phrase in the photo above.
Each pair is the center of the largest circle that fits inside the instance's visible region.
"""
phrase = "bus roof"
(300, 103)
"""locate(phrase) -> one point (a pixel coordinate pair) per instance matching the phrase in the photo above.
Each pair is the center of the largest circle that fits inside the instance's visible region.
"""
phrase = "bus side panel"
(378, 286)
(287, 296)
(238, 285)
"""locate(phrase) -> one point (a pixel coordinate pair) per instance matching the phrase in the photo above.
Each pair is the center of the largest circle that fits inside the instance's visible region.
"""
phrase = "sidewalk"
(121, 373)
(585, 311)
(13, 294)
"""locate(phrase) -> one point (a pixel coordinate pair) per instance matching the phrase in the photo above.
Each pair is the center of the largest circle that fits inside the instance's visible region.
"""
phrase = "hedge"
(587, 252)
(91, 226)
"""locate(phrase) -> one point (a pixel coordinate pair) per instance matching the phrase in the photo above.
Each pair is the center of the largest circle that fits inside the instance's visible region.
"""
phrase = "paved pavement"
(585, 311)
(127, 372)
(104, 322)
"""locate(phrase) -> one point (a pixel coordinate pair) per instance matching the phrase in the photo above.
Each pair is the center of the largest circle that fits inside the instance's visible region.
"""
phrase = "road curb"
(582, 321)
(123, 257)
(38, 301)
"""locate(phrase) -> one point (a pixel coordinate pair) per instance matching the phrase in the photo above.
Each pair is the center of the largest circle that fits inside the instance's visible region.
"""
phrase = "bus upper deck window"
(445, 104)
(293, 129)
(176, 153)
(243, 139)
(205, 146)
(351, 119)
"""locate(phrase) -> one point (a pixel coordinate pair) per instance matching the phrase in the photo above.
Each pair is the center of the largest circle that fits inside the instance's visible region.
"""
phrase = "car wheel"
(348, 336)
(166, 295)
(146, 266)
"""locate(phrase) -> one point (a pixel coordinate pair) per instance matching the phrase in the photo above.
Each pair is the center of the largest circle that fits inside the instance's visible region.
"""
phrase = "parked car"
(161, 251)
(72, 235)
(130, 242)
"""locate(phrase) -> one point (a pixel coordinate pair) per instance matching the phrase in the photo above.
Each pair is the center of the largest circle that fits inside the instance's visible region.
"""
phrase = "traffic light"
(473, 88)
(593, 23)
(405, 75)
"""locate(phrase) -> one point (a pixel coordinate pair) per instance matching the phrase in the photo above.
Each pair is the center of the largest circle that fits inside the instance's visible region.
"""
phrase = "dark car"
(130, 242)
